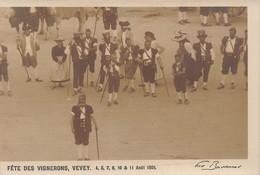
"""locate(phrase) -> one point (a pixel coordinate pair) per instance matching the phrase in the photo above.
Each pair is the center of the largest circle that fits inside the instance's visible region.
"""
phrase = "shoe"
(227, 24)
(125, 88)
(179, 102)
(205, 88)
(38, 80)
(146, 94)
(187, 101)
(186, 21)
(28, 79)
(80, 90)
(100, 89)
(181, 22)
(1, 92)
(193, 89)
(53, 86)
(116, 102)
(156, 83)
(109, 104)
(87, 159)
(132, 90)
(74, 92)
(221, 86)
(61, 85)
(217, 23)
(232, 85)
(122, 76)
(206, 25)
(92, 84)
(154, 95)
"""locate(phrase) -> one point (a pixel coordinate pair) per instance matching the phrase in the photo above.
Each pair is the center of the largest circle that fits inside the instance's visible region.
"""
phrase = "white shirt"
(130, 55)
(28, 48)
(212, 53)
(107, 48)
(189, 49)
(229, 48)
(149, 53)
(79, 50)
(123, 38)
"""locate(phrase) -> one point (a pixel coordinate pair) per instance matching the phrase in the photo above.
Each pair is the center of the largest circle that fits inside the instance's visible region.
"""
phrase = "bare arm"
(160, 48)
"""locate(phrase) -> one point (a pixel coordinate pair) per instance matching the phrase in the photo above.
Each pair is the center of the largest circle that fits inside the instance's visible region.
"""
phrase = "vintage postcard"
(158, 87)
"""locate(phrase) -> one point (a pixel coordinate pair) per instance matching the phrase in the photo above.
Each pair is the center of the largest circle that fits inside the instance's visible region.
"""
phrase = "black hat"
(106, 35)
(77, 35)
(87, 30)
(233, 29)
(150, 34)
(202, 33)
(125, 23)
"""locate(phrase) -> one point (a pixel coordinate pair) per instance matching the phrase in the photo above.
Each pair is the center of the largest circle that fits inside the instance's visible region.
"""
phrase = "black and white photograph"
(95, 84)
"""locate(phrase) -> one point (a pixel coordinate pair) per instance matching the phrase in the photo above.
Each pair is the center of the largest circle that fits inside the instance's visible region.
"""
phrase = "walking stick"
(95, 26)
(97, 144)
(141, 70)
(23, 61)
(68, 89)
(104, 90)
(87, 76)
(165, 82)
(97, 80)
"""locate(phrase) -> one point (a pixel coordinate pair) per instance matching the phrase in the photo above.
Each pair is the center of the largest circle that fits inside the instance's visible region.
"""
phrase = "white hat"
(180, 35)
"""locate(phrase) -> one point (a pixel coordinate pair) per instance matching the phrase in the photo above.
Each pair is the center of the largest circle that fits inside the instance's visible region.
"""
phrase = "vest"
(154, 52)
(133, 51)
(102, 48)
(238, 43)
(82, 124)
(4, 50)
(91, 45)
(197, 48)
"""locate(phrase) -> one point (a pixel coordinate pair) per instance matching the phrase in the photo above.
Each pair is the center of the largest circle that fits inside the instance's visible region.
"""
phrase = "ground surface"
(34, 123)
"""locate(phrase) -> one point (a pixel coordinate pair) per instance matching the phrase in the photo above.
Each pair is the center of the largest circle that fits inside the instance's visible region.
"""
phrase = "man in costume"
(129, 54)
(205, 56)
(231, 48)
(79, 59)
(90, 50)
(82, 116)
(121, 38)
(29, 46)
(107, 49)
(147, 57)
(4, 70)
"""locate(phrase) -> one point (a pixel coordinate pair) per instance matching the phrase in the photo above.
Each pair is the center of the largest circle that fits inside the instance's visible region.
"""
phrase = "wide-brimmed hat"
(179, 35)
(124, 23)
(106, 35)
(59, 39)
(202, 33)
(150, 34)
(82, 99)
(77, 35)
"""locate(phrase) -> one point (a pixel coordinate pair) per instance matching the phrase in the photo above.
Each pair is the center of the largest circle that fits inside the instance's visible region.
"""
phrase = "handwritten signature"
(214, 165)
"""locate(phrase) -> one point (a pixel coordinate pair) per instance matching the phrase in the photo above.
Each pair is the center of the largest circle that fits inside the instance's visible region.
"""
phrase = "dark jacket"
(56, 51)
(197, 48)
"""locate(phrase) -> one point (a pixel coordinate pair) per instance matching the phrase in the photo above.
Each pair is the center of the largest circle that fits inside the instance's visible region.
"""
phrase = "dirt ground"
(34, 123)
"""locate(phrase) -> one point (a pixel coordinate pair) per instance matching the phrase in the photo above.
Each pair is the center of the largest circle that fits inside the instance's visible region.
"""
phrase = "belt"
(229, 54)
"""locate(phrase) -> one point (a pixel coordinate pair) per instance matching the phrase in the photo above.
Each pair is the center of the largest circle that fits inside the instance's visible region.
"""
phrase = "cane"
(165, 82)
(23, 61)
(141, 70)
(104, 91)
(97, 80)
(68, 89)
(95, 26)
(87, 76)
(97, 144)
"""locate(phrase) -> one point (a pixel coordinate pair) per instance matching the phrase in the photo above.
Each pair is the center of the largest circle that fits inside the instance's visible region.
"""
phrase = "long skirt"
(59, 72)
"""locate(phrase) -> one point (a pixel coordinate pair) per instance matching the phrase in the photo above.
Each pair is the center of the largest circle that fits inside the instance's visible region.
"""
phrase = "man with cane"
(90, 50)
(107, 49)
(82, 117)
(147, 57)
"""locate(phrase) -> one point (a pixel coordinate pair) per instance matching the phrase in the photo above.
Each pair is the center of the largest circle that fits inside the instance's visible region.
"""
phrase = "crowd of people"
(120, 59)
